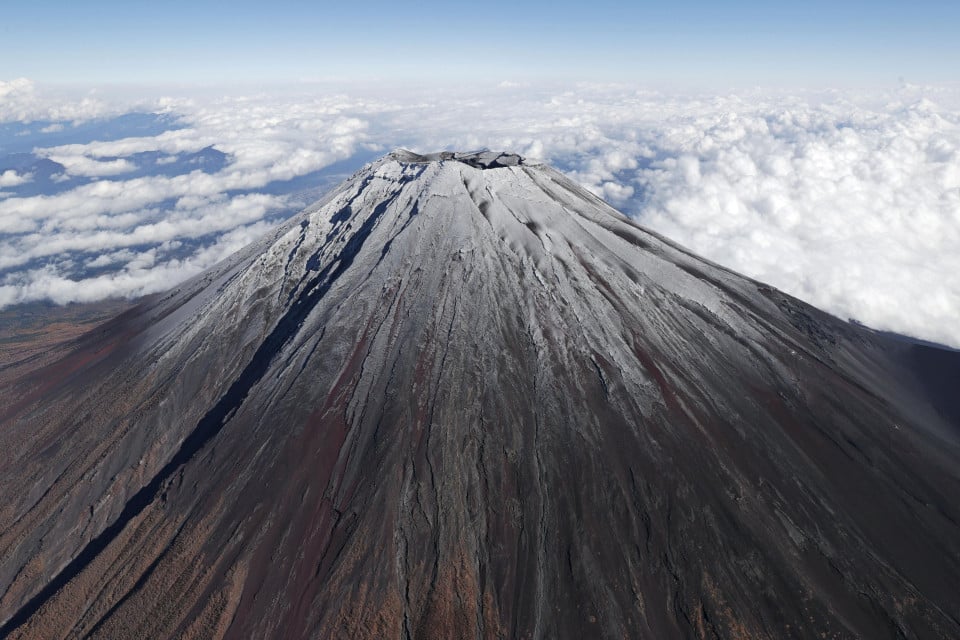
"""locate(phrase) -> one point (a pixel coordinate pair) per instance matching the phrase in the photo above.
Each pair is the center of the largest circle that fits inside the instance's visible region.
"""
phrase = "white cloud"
(102, 233)
(21, 102)
(11, 178)
(114, 257)
(858, 214)
(140, 276)
(81, 165)
(849, 201)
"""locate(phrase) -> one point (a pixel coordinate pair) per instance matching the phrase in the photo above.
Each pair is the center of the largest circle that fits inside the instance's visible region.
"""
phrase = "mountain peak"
(462, 397)
(483, 159)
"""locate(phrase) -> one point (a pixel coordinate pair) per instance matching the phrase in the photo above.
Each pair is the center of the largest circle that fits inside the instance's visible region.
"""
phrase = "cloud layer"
(859, 215)
(850, 201)
(20, 100)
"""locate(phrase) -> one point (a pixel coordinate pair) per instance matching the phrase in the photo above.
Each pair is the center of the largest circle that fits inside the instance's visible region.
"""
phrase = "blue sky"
(687, 42)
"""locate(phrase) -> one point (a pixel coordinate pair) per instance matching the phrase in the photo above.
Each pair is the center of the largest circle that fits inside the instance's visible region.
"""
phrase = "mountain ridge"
(461, 396)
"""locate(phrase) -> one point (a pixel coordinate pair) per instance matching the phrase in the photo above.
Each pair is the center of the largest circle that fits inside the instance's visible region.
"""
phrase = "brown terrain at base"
(35, 334)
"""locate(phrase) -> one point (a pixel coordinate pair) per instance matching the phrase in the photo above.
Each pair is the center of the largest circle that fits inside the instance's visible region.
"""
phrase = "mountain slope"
(462, 397)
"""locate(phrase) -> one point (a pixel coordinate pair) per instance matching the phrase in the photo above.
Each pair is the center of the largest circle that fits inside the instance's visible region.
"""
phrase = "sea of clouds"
(849, 200)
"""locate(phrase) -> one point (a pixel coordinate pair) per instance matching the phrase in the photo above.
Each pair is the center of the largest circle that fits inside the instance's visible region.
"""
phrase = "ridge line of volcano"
(210, 424)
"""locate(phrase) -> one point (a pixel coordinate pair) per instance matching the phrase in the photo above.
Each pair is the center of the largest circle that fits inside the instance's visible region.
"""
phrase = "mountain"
(461, 397)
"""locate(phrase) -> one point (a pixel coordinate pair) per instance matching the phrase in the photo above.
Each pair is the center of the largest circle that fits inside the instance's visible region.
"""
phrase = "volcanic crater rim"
(483, 159)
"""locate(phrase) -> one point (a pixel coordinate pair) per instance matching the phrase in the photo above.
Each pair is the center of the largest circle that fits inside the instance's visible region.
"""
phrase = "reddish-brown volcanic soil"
(32, 335)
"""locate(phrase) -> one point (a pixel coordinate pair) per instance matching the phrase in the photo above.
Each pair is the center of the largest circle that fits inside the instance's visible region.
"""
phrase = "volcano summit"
(461, 397)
